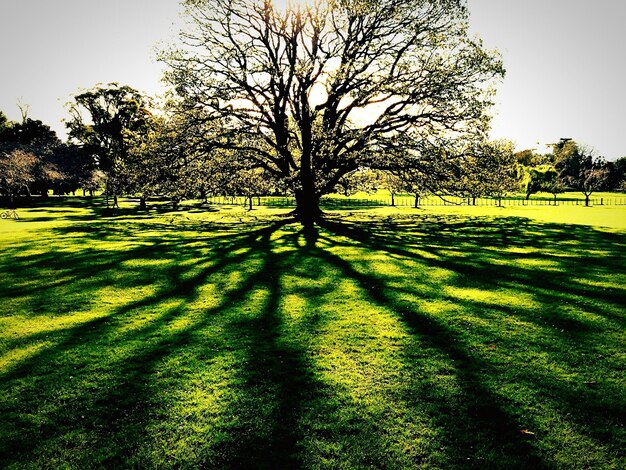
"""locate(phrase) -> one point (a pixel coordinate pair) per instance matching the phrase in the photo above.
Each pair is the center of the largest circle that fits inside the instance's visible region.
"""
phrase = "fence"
(330, 202)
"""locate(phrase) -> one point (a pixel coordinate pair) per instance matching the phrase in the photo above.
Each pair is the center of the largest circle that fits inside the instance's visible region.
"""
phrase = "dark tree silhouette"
(314, 92)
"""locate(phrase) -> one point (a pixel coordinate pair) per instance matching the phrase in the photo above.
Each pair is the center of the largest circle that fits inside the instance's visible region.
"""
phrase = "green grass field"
(453, 337)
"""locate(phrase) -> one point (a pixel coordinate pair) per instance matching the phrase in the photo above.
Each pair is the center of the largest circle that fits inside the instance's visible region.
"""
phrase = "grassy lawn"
(389, 338)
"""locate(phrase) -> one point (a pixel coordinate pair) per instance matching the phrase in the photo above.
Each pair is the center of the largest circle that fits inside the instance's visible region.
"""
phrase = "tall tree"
(326, 87)
(103, 120)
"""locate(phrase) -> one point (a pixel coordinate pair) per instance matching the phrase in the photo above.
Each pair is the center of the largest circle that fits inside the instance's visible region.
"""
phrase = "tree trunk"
(586, 200)
(142, 203)
(393, 200)
(473, 200)
(249, 203)
(417, 200)
(307, 207)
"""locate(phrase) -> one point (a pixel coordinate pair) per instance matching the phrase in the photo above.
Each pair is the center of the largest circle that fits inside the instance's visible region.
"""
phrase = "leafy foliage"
(16, 172)
(103, 120)
(489, 168)
(580, 169)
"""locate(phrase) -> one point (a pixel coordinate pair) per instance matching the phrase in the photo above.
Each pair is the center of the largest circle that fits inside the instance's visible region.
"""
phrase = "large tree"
(104, 120)
(314, 91)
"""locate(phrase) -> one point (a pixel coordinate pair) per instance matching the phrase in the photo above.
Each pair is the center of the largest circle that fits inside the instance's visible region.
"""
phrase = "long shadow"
(111, 380)
(126, 399)
(114, 391)
(479, 420)
(486, 419)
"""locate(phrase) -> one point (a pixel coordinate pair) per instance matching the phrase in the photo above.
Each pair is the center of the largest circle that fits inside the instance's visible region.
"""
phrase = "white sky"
(565, 61)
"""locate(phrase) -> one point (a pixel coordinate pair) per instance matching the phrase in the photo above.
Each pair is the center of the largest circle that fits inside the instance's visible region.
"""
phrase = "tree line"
(571, 166)
(312, 99)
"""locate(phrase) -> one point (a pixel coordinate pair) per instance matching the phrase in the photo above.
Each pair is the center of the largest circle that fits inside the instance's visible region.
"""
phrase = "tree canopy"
(312, 93)
(103, 120)
(579, 168)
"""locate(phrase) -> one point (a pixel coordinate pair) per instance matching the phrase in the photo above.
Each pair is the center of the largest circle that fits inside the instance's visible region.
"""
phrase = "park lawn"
(388, 338)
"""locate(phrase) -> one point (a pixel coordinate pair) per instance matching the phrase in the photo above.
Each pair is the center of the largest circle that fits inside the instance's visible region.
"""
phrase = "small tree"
(492, 168)
(488, 169)
(552, 183)
(251, 183)
(541, 178)
(363, 179)
(580, 169)
(392, 183)
(16, 173)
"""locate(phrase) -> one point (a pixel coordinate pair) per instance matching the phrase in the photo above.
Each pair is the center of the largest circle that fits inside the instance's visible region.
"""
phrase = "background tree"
(38, 140)
(529, 158)
(326, 88)
(540, 178)
(617, 173)
(251, 183)
(391, 183)
(552, 184)
(78, 168)
(580, 169)
(16, 173)
(362, 180)
(489, 169)
(104, 120)
(34, 134)
(170, 160)
(4, 123)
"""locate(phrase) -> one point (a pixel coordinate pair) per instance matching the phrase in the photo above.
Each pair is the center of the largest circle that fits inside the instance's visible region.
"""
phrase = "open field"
(388, 338)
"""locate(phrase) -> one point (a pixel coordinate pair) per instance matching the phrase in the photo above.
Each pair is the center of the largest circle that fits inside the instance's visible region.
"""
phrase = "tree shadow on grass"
(103, 385)
(192, 350)
(482, 419)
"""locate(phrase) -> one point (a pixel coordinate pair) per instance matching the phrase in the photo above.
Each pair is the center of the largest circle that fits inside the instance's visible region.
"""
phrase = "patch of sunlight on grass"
(611, 217)
(425, 254)
(609, 281)
(496, 298)
(519, 250)
(24, 326)
(145, 263)
(294, 306)
(536, 263)
(18, 354)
